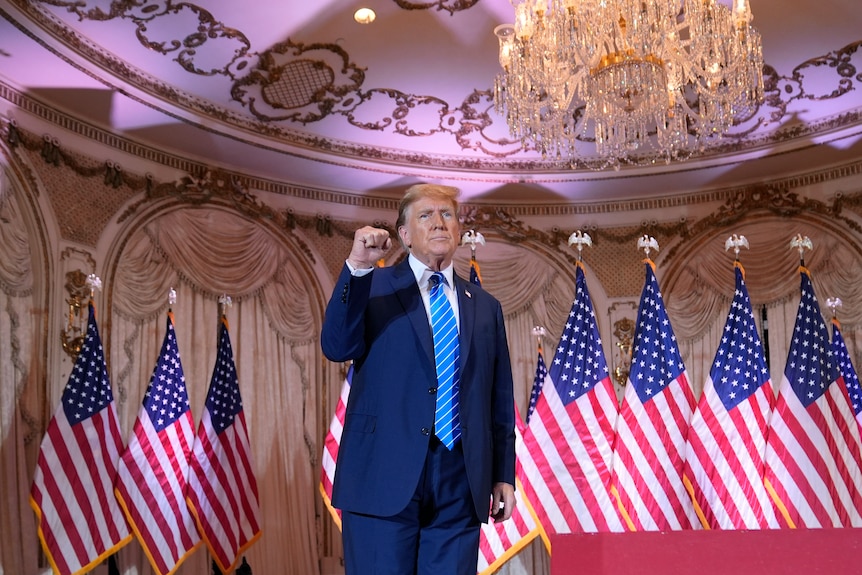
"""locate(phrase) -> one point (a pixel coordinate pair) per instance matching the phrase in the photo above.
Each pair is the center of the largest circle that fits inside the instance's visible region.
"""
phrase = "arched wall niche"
(26, 291)
(699, 283)
(204, 247)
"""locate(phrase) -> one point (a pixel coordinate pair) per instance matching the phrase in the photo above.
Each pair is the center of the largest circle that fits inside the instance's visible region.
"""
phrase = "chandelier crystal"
(645, 80)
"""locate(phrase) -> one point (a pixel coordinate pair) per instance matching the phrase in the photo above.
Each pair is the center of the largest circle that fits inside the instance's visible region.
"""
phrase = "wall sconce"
(80, 288)
(624, 330)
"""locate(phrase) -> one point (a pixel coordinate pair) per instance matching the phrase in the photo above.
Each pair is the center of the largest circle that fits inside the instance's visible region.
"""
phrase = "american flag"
(846, 369)
(727, 436)
(658, 403)
(152, 475)
(330, 448)
(79, 520)
(499, 542)
(813, 449)
(566, 462)
(222, 489)
(538, 384)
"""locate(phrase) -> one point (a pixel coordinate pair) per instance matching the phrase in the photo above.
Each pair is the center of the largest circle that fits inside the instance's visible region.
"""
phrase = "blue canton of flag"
(167, 397)
(739, 368)
(538, 383)
(656, 360)
(810, 368)
(579, 363)
(845, 367)
(88, 391)
(224, 400)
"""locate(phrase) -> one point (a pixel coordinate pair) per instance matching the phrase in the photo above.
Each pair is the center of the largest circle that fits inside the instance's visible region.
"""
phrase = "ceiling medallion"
(646, 81)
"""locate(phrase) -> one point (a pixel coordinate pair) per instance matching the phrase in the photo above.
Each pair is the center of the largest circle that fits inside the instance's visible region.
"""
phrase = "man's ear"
(404, 234)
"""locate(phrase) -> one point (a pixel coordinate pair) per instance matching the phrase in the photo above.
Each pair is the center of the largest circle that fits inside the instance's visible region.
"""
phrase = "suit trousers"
(436, 534)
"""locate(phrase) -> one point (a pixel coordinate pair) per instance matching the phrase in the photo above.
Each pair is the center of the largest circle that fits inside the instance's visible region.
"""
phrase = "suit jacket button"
(432, 390)
(426, 431)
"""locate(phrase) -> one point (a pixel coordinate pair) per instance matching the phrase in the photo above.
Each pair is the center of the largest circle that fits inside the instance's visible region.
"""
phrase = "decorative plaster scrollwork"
(450, 6)
(297, 84)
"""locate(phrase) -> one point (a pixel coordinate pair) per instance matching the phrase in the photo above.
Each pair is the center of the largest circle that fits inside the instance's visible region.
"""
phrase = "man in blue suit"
(413, 483)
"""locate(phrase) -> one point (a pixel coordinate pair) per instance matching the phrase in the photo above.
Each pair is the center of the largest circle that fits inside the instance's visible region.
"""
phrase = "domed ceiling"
(297, 91)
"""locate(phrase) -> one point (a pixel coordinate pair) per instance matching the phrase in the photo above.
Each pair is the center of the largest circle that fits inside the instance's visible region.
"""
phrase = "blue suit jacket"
(379, 321)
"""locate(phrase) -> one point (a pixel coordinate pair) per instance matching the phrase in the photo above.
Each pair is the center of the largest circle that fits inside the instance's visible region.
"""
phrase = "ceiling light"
(644, 80)
(364, 15)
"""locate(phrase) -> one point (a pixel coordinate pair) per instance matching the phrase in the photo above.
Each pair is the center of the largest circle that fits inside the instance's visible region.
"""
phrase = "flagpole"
(647, 244)
(834, 303)
(471, 238)
(801, 243)
(94, 282)
(539, 333)
(172, 299)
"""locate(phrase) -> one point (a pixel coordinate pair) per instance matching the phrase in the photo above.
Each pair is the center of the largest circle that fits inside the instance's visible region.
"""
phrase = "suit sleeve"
(343, 334)
(504, 408)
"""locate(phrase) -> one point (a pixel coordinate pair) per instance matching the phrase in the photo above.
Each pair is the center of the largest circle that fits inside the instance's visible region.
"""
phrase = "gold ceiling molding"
(217, 187)
(468, 123)
(53, 152)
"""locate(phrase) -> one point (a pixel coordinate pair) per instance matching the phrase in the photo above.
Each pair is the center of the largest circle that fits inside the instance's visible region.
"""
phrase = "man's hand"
(503, 501)
(369, 245)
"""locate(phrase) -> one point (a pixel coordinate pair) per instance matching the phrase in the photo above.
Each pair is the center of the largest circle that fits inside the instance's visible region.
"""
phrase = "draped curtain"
(19, 433)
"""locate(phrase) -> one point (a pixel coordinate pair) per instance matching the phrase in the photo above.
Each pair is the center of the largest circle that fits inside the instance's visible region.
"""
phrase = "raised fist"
(369, 245)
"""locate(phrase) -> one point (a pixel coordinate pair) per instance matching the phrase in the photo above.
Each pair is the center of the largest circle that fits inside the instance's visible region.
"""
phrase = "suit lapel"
(405, 289)
(467, 311)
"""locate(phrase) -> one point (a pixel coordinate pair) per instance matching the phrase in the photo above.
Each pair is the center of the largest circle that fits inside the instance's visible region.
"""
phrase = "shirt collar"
(422, 272)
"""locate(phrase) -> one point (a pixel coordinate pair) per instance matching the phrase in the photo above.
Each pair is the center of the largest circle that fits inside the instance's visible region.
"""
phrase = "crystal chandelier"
(645, 80)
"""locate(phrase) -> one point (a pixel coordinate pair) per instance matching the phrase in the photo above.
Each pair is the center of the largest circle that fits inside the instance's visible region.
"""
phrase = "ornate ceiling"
(297, 92)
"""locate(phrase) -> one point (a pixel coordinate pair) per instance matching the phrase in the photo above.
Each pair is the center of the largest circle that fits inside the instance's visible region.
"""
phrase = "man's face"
(431, 231)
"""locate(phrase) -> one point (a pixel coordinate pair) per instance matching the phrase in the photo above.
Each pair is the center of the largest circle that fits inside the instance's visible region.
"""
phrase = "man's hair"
(418, 191)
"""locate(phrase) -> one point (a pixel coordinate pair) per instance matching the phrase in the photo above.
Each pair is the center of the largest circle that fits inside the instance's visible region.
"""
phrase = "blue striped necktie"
(447, 421)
